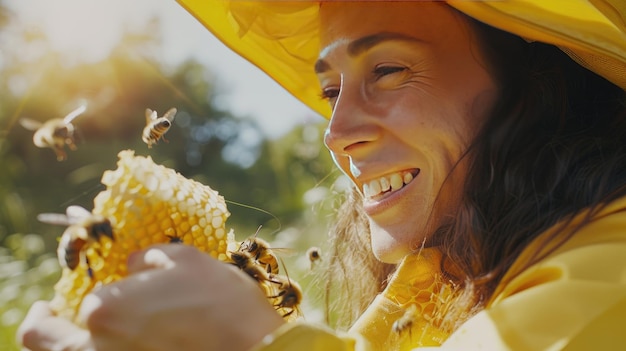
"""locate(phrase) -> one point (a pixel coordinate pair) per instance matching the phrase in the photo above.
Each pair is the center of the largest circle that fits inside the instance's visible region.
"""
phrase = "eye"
(329, 93)
(381, 71)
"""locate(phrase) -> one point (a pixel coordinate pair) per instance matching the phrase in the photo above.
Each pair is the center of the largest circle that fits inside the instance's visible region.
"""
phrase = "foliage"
(269, 183)
(27, 273)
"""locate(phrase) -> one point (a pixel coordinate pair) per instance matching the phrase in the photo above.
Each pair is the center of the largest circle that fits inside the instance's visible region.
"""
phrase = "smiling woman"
(486, 144)
(373, 82)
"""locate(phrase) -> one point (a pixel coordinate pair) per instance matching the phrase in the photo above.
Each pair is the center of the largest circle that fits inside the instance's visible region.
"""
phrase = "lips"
(389, 183)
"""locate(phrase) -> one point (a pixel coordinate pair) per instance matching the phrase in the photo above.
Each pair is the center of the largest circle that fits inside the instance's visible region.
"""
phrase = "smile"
(389, 183)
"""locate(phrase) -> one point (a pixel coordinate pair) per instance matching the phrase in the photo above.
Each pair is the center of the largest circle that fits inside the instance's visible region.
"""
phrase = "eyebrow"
(365, 43)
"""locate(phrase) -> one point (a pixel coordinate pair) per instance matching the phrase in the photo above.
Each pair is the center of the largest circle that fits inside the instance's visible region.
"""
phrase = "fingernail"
(157, 258)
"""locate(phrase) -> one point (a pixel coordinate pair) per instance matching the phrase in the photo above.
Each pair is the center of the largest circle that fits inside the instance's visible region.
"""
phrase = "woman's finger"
(41, 330)
(156, 276)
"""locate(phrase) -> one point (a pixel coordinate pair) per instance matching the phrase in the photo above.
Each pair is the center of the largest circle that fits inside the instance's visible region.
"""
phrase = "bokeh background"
(235, 131)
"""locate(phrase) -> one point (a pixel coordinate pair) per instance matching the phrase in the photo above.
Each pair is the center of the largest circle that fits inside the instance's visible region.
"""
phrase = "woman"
(489, 173)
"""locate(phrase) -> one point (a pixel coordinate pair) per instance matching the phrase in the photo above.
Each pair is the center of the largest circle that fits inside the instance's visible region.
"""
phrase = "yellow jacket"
(573, 299)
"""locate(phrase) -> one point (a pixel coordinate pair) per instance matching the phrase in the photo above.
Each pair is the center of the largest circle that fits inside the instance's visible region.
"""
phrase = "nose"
(351, 126)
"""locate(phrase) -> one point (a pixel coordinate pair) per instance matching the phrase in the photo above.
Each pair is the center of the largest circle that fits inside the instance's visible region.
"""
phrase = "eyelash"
(381, 71)
(329, 93)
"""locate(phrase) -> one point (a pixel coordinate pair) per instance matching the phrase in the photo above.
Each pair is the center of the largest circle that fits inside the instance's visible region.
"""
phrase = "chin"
(387, 248)
(391, 245)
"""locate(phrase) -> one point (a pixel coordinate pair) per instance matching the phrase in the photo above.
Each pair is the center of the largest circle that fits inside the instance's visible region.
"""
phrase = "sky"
(88, 29)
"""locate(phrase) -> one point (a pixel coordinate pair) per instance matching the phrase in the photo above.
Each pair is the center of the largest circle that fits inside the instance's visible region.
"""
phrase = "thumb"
(41, 330)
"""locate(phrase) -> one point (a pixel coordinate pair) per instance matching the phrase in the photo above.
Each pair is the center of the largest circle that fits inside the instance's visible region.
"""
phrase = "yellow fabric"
(415, 282)
(579, 292)
(592, 32)
(573, 299)
(281, 37)
(301, 337)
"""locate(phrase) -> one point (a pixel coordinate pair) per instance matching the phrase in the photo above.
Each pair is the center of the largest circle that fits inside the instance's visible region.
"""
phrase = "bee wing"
(30, 124)
(283, 251)
(70, 116)
(75, 213)
(53, 218)
(150, 115)
(169, 115)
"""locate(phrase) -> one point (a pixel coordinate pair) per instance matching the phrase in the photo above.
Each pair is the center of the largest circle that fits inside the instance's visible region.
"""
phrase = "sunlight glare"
(84, 30)
(87, 31)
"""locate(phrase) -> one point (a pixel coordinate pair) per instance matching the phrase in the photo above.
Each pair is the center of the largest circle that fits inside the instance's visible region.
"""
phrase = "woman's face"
(409, 89)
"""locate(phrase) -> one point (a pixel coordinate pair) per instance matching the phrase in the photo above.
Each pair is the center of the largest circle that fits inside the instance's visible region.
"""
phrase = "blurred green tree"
(213, 146)
(267, 182)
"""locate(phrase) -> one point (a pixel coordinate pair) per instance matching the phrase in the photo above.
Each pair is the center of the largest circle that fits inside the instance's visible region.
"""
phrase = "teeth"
(375, 187)
(408, 177)
(396, 182)
(392, 182)
(384, 184)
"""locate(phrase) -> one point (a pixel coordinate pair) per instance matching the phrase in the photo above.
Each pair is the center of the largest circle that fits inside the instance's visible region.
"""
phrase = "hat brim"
(281, 37)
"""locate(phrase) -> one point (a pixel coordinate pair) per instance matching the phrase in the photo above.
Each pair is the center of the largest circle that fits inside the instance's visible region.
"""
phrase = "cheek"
(429, 123)
(474, 98)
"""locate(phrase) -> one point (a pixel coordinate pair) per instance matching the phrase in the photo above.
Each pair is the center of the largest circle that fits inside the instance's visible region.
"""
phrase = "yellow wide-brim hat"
(281, 37)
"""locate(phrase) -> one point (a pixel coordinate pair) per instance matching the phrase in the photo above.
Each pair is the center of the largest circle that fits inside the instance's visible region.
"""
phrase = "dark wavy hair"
(555, 144)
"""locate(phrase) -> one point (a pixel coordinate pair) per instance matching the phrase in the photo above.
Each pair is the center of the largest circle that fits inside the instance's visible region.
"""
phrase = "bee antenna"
(89, 191)
(258, 209)
(282, 263)
(258, 230)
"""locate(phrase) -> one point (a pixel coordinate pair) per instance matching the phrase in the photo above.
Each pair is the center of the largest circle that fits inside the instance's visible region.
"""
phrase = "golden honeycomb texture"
(147, 204)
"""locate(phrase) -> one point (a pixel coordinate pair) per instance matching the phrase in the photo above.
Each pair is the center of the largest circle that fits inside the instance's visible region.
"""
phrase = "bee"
(175, 239)
(246, 263)
(156, 127)
(289, 294)
(84, 229)
(405, 322)
(172, 236)
(262, 252)
(55, 133)
(314, 255)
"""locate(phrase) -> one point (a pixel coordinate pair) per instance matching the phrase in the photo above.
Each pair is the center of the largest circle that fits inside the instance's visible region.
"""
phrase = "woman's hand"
(175, 298)
(41, 331)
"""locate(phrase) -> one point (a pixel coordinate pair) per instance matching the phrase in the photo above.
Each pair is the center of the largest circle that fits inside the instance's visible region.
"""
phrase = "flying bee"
(156, 127)
(314, 255)
(55, 133)
(262, 252)
(84, 229)
(405, 322)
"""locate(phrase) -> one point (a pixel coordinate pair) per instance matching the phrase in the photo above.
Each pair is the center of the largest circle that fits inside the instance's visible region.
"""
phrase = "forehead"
(346, 21)
(360, 45)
